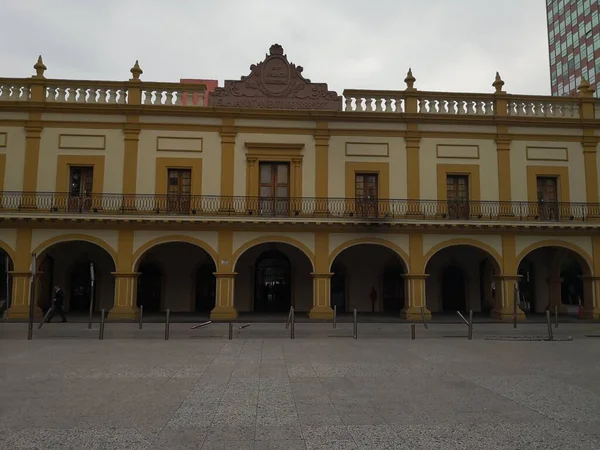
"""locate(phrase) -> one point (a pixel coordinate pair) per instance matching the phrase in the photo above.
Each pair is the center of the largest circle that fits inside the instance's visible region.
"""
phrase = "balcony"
(207, 207)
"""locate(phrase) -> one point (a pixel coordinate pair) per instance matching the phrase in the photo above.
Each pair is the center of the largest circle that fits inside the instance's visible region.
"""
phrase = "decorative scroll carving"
(275, 83)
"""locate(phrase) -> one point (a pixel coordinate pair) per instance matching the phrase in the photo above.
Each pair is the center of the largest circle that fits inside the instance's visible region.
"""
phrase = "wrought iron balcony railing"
(379, 210)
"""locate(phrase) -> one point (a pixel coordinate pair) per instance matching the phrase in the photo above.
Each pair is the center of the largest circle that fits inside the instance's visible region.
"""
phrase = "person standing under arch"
(57, 305)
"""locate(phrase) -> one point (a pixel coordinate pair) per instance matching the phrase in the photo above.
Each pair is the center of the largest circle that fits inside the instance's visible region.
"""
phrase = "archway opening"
(461, 278)
(271, 277)
(553, 277)
(368, 278)
(178, 276)
(69, 265)
(6, 266)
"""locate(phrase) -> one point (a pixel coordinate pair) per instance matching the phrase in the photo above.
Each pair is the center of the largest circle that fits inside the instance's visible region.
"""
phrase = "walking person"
(57, 305)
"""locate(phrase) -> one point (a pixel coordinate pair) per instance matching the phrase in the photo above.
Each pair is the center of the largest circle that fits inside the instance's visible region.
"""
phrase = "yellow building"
(280, 192)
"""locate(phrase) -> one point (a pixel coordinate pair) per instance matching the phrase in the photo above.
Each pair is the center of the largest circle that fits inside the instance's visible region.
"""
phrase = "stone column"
(125, 303)
(505, 298)
(21, 288)
(415, 297)
(321, 297)
(591, 305)
(224, 309)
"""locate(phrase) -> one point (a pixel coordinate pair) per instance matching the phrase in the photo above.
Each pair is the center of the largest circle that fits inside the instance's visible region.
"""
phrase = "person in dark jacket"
(57, 304)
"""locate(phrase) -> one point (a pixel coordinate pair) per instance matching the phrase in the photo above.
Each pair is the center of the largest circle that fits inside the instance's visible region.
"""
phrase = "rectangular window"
(179, 190)
(457, 194)
(547, 197)
(366, 193)
(274, 188)
(81, 181)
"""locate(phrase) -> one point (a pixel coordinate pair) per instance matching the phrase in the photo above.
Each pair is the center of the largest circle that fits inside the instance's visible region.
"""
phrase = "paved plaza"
(323, 390)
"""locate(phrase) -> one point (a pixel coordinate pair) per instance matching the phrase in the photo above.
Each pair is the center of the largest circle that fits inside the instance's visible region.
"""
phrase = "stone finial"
(136, 71)
(410, 80)
(585, 88)
(40, 68)
(498, 84)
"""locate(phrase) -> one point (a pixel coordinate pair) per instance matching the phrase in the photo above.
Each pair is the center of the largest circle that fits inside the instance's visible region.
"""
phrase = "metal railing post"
(167, 325)
(470, 324)
(355, 334)
(423, 317)
(101, 333)
(556, 317)
(292, 330)
(548, 320)
(334, 316)
(412, 331)
(32, 296)
(141, 316)
(230, 331)
(287, 323)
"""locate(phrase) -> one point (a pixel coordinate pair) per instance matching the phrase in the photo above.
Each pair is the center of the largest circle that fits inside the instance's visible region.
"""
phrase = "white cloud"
(452, 45)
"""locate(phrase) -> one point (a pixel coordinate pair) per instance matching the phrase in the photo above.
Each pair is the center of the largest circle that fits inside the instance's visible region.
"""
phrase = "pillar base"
(21, 312)
(125, 313)
(321, 313)
(223, 314)
(593, 314)
(413, 313)
(506, 314)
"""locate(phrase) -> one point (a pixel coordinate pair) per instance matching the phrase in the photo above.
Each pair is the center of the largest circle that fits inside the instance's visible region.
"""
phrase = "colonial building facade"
(275, 191)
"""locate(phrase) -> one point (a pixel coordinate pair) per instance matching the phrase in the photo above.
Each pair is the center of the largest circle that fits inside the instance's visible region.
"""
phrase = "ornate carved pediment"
(275, 83)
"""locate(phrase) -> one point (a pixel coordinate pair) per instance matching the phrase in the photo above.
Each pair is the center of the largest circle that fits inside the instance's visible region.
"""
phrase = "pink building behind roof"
(210, 86)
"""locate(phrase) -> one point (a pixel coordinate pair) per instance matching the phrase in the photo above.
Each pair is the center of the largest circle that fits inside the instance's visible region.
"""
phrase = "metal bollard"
(292, 330)
(101, 335)
(550, 336)
(167, 325)
(355, 334)
(470, 324)
(515, 314)
(230, 331)
(334, 316)
(412, 331)
(141, 316)
(423, 317)
(287, 323)
(556, 317)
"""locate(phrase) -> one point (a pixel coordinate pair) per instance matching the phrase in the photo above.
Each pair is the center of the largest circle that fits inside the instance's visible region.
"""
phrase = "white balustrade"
(543, 108)
(374, 103)
(13, 92)
(456, 106)
(173, 96)
(86, 94)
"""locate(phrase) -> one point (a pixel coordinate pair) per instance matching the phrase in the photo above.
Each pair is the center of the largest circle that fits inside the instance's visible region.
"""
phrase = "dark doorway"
(46, 287)
(272, 283)
(572, 284)
(393, 289)
(526, 292)
(149, 287)
(338, 288)
(453, 290)
(81, 288)
(206, 288)
(5, 282)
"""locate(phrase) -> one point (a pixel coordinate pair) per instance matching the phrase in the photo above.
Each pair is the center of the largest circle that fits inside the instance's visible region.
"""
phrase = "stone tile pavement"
(68, 390)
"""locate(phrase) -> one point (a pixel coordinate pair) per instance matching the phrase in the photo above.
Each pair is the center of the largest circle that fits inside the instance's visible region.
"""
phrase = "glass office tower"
(574, 41)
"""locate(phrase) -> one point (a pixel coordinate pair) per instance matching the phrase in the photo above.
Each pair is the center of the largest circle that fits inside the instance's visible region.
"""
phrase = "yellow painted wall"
(240, 238)
(113, 154)
(487, 162)
(210, 155)
(519, 162)
(308, 160)
(338, 157)
(439, 240)
(15, 158)
(523, 241)
(9, 237)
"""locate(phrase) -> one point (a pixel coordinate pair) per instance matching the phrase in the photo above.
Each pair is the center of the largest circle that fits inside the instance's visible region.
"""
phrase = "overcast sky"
(451, 45)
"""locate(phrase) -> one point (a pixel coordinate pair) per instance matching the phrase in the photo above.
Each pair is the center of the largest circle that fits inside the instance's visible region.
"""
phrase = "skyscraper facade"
(574, 42)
